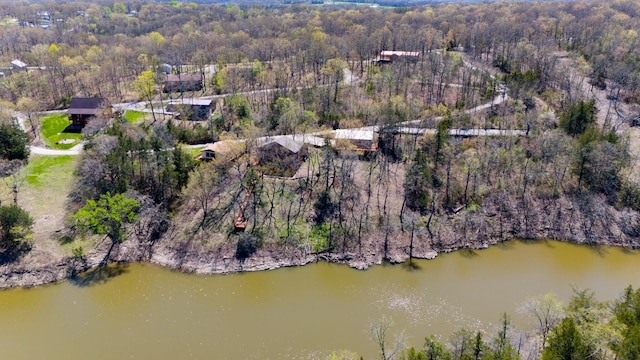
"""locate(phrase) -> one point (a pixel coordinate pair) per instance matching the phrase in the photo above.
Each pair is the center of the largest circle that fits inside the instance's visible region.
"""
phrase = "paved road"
(407, 127)
(76, 150)
(502, 97)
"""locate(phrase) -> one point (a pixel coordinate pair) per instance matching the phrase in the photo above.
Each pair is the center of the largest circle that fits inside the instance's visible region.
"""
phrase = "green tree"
(465, 345)
(418, 183)
(592, 318)
(334, 70)
(145, 85)
(13, 143)
(413, 354)
(119, 8)
(566, 343)
(578, 117)
(599, 160)
(15, 227)
(501, 348)
(434, 350)
(108, 216)
(627, 313)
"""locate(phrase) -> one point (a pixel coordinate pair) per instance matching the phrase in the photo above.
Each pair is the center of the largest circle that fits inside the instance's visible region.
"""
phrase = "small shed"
(182, 83)
(192, 109)
(82, 109)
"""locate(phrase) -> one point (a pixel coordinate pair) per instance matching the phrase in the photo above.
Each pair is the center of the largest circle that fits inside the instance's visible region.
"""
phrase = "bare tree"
(547, 310)
(380, 334)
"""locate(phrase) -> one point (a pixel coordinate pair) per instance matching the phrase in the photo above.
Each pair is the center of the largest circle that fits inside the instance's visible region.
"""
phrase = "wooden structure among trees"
(82, 109)
(281, 156)
(225, 150)
(192, 109)
(182, 83)
(356, 139)
(393, 56)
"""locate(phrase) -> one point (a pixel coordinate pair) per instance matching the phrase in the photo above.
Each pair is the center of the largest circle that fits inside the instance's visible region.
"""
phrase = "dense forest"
(557, 82)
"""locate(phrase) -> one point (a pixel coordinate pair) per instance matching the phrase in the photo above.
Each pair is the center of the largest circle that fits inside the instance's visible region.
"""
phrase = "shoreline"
(565, 218)
(68, 268)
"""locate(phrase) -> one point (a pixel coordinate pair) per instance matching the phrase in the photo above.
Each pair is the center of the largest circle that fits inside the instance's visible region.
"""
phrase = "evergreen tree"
(566, 343)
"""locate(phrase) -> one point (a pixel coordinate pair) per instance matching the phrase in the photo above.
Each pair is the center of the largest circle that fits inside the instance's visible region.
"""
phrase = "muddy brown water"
(146, 312)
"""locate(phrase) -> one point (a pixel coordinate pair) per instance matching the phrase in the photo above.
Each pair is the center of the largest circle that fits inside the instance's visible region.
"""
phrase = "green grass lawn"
(193, 151)
(48, 170)
(52, 132)
(43, 188)
(135, 117)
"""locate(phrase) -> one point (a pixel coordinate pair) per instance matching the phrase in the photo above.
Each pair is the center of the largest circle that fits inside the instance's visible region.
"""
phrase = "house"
(191, 109)
(280, 156)
(82, 109)
(182, 83)
(225, 150)
(362, 140)
(18, 65)
(394, 56)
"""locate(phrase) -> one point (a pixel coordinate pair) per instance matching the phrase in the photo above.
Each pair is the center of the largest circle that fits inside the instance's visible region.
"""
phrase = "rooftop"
(191, 101)
(355, 134)
(183, 77)
(85, 106)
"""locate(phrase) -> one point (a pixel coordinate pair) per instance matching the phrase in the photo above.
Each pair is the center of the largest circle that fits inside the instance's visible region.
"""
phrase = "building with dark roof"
(191, 109)
(182, 83)
(82, 109)
(393, 56)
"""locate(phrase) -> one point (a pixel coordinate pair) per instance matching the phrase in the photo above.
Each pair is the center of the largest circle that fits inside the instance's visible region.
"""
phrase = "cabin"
(81, 110)
(223, 151)
(395, 56)
(281, 156)
(182, 83)
(191, 109)
(360, 140)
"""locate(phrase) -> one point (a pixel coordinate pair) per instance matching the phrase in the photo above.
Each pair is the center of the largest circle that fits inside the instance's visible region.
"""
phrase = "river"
(146, 312)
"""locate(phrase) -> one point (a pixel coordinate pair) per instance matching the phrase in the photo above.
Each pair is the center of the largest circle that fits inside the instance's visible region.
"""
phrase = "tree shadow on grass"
(99, 275)
(76, 129)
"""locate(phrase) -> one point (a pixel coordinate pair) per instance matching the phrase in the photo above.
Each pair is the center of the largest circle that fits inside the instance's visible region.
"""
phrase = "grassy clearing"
(135, 117)
(44, 184)
(48, 170)
(52, 131)
(43, 187)
(193, 151)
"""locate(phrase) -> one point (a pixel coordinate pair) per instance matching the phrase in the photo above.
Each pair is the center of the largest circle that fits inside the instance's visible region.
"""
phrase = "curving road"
(407, 127)
(76, 150)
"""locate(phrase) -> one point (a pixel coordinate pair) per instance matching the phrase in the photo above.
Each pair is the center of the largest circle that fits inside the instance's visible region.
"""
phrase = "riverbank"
(579, 219)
